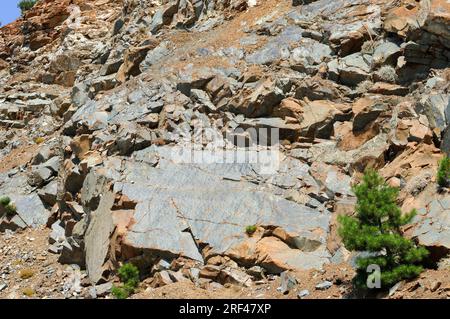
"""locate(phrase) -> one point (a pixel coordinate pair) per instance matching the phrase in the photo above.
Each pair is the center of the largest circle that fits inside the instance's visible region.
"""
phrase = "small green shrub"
(25, 5)
(11, 209)
(5, 200)
(129, 276)
(8, 207)
(250, 230)
(443, 173)
(376, 230)
(121, 292)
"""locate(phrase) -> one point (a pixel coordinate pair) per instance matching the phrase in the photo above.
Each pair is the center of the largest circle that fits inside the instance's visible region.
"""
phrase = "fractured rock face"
(137, 86)
(97, 237)
(192, 217)
(30, 211)
(434, 228)
(351, 70)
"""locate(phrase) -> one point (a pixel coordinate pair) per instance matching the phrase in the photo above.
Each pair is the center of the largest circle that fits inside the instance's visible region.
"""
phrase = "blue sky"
(8, 11)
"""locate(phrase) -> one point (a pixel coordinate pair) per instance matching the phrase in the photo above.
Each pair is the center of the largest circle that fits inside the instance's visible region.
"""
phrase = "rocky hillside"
(101, 101)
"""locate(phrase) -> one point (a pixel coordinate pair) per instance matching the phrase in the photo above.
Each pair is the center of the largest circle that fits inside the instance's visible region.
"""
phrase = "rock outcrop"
(158, 131)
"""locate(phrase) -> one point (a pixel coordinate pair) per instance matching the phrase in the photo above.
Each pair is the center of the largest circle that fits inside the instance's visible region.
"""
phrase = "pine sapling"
(129, 276)
(376, 229)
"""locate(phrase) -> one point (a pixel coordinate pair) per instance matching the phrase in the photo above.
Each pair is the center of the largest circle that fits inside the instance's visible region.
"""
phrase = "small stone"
(324, 285)
(194, 274)
(162, 265)
(54, 249)
(288, 282)
(177, 276)
(103, 289)
(303, 293)
(3, 286)
(435, 286)
(210, 272)
(162, 279)
(415, 286)
(256, 272)
(395, 288)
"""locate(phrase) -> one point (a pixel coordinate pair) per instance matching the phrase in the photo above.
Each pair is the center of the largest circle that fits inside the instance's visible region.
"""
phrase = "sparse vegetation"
(25, 5)
(7, 206)
(11, 209)
(39, 140)
(250, 230)
(387, 74)
(26, 273)
(368, 47)
(443, 173)
(121, 292)
(29, 292)
(376, 230)
(364, 87)
(4, 201)
(129, 276)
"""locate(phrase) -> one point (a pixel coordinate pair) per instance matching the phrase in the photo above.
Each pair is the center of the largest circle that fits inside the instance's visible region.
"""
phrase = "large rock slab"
(433, 230)
(97, 236)
(31, 212)
(278, 47)
(180, 206)
(31, 209)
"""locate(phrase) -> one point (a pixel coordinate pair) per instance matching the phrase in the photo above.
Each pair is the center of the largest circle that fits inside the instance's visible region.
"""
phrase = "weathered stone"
(30, 209)
(366, 110)
(132, 60)
(434, 229)
(39, 175)
(101, 290)
(259, 100)
(184, 215)
(97, 236)
(303, 293)
(310, 53)
(387, 52)
(277, 48)
(352, 69)
(335, 182)
(58, 233)
(288, 282)
(161, 279)
(370, 153)
(318, 117)
(324, 285)
(48, 193)
(163, 16)
(276, 256)
(388, 89)
(437, 109)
